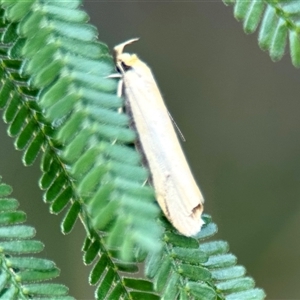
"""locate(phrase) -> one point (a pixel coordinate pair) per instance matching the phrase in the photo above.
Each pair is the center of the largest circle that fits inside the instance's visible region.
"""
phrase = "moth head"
(124, 61)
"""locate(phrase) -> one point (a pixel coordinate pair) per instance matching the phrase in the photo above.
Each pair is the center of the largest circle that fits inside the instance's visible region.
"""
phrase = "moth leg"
(116, 75)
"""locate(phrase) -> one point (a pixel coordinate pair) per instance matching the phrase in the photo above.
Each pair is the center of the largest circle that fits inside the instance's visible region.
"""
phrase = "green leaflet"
(91, 252)
(240, 9)
(105, 284)
(236, 285)
(33, 275)
(98, 269)
(11, 108)
(56, 187)
(46, 289)
(214, 247)
(116, 292)
(247, 295)
(70, 218)
(138, 295)
(17, 11)
(21, 247)
(10, 33)
(138, 284)
(5, 189)
(65, 13)
(25, 135)
(33, 149)
(253, 15)
(17, 231)
(50, 175)
(12, 217)
(279, 40)
(18, 122)
(60, 202)
(294, 40)
(201, 290)
(5, 93)
(8, 204)
(171, 290)
(193, 256)
(228, 273)
(221, 261)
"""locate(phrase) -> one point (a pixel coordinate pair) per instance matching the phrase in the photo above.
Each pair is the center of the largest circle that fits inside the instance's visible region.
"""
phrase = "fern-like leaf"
(279, 22)
(189, 268)
(20, 271)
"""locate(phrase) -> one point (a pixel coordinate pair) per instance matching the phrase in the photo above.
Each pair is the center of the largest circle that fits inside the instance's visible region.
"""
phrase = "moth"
(176, 190)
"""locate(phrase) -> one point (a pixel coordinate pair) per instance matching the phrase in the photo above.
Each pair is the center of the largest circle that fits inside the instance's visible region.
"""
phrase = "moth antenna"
(118, 50)
(177, 128)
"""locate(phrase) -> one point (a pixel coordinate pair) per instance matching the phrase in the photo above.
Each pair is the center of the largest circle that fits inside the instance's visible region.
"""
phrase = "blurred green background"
(239, 113)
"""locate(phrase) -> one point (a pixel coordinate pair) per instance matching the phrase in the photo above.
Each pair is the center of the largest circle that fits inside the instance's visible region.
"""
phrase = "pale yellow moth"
(176, 190)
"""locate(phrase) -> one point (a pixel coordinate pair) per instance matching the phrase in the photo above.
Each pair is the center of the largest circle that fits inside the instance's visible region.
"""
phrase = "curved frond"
(23, 276)
(279, 22)
(190, 268)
